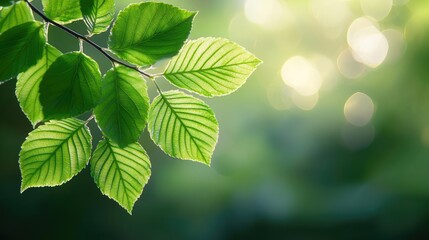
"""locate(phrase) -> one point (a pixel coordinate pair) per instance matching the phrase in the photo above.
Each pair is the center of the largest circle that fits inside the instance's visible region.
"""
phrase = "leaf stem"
(47, 30)
(89, 119)
(81, 45)
(86, 39)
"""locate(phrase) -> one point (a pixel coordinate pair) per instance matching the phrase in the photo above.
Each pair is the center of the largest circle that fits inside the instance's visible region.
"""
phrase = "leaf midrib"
(56, 149)
(140, 42)
(185, 127)
(208, 69)
(120, 173)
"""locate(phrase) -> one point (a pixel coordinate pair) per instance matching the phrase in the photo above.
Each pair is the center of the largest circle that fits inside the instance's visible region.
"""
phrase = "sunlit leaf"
(16, 14)
(70, 87)
(20, 48)
(54, 153)
(27, 87)
(120, 173)
(123, 109)
(211, 67)
(97, 14)
(183, 126)
(146, 32)
(62, 11)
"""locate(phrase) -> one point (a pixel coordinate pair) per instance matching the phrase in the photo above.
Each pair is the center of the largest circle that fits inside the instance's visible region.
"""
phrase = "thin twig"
(84, 38)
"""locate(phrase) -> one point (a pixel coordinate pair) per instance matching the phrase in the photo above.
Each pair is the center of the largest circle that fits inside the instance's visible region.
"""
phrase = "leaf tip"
(23, 187)
(128, 208)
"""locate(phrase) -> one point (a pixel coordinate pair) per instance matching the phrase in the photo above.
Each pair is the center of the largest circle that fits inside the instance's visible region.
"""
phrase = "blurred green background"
(329, 139)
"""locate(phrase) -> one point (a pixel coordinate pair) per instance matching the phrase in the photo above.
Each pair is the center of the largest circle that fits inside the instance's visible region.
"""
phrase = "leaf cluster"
(55, 89)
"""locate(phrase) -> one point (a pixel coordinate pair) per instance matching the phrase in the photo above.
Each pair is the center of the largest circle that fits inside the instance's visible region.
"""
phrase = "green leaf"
(20, 48)
(54, 153)
(27, 86)
(97, 14)
(62, 11)
(14, 15)
(211, 67)
(159, 33)
(120, 173)
(183, 126)
(5, 3)
(70, 87)
(123, 109)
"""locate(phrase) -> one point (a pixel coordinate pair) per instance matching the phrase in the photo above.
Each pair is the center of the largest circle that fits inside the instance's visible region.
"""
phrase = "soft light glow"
(278, 98)
(333, 15)
(400, 2)
(330, 13)
(425, 136)
(377, 9)
(348, 66)
(302, 76)
(269, 14)
(327, 70)
(359, 109)
(396, 44)
(369, 46)
(306, 103)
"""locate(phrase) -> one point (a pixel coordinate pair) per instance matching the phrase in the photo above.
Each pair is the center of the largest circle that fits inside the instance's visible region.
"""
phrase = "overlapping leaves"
(70, 87)
(61, 87)
(28, 85)
(15, 14)
(123, 109)
(20, 48)
(97, 14)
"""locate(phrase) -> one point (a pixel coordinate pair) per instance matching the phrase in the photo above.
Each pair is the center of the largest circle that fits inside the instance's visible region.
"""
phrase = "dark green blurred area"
(278, 172)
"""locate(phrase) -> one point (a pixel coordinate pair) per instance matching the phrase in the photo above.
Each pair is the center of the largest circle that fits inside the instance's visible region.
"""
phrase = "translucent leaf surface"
(124, 106)
(54, 153)
(120, 173)
(97, 14)
(70, 87)
(62, 11)
(16, 14)
(28, 85)
(146, 32)
(20, 48)
(211, 67)
(183, 126)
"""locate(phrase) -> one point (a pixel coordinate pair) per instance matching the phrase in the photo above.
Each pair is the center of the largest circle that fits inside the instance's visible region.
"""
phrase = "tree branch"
(83, 38)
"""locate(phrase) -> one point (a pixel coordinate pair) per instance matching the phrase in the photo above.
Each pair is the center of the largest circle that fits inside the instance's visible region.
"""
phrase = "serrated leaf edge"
(190, 41)
(22, 188)
(206, 162)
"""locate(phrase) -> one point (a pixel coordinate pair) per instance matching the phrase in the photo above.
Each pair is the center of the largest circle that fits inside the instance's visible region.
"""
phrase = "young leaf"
(97, 14)
(146, 32)
(62, 11)
(183, 126)
(70, 87)
(27, 86)
(120, 173)
(211, 67)
(16, 14)
(54, 153)
(123, 109)
(20, 48)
